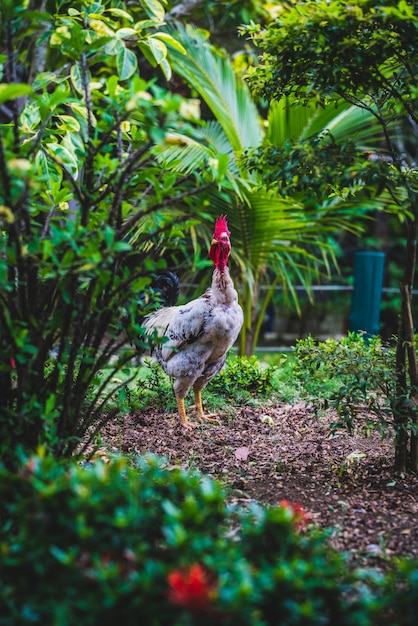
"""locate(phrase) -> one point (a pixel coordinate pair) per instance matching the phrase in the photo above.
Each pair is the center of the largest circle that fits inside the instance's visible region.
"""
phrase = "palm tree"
(277, 240)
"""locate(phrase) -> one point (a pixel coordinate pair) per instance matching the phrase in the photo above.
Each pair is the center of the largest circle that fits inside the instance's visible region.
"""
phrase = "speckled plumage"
(200, 332)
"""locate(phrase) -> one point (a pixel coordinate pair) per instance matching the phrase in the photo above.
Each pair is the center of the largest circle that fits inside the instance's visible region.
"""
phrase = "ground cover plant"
(356, 376)
(110, 542)
(115, 540)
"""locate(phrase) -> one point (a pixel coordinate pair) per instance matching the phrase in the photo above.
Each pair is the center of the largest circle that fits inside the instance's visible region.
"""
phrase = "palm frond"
(358, 125)
(183, 153)
(289, 119)
(212, 75)
(273, 225)
(292, 120)
(215, 136)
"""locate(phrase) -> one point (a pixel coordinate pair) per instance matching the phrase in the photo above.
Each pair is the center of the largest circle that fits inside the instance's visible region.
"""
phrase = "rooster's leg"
(198, 404)
(182, 414)
(199, 408)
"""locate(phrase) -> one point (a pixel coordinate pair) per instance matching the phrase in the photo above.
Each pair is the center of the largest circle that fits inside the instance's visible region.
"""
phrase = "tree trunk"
(406, 364)
(249, 342)
(401, 408)
(248, 332)
(251, 322)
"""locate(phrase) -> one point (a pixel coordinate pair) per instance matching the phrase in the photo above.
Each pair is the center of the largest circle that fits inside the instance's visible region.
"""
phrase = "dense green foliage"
(246, 374)
(364, 55)
(92, 206)
(99, 182)
(355, 376)
(105, 543)
(283, 234)
(367, 45)
(86, 211)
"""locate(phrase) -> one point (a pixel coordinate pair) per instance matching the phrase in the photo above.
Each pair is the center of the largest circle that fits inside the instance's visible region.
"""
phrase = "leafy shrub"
(243, 374)
(401, 599)
(155, 387)
(355, 375)
(84, 211)
(111, 543)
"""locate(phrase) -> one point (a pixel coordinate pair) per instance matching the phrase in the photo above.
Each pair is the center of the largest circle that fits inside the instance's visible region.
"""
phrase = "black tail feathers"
(166, 286)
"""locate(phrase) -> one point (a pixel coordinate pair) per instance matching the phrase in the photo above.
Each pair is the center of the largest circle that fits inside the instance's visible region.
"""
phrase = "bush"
(155, 387)
(402, 596)
(85, 210)
(111, 543)
(246, 373)
(354, 375)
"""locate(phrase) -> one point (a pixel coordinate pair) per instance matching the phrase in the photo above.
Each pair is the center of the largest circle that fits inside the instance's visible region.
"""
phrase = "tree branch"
(160, 205)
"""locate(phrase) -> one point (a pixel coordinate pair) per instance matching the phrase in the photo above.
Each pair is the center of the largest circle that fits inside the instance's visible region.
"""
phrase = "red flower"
(191, 588)
(12, 363)
(300, 517)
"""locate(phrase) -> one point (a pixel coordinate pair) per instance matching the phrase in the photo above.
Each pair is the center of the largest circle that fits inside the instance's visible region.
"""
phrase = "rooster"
(199, 334)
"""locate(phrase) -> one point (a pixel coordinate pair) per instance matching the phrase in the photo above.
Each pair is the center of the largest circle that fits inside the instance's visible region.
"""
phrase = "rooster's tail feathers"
(167, 287)
(158, 321)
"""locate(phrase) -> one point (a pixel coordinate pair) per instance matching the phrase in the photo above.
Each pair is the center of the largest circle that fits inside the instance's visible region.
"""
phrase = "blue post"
(367, 294)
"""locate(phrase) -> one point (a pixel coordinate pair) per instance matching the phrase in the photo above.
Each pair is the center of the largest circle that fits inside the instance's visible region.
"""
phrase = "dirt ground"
(346, 483)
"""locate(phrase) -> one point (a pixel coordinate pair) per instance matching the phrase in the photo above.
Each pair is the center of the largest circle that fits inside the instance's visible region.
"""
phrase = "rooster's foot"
(210, 417)
(190, 425)
(212, 420)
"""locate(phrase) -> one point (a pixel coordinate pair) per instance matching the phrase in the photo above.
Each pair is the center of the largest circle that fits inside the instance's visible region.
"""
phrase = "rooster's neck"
(222, 287)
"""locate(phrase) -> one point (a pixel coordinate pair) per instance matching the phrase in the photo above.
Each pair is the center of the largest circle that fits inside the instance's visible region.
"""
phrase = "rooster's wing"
(181, 325)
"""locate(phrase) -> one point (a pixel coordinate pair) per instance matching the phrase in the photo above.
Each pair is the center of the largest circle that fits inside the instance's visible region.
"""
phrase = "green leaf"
(158, 49)
(166, 68)
(111, 85)
(146, 51)
(44, 80)
(68, 123)
(126, 63)
(122, 33)
(50, 404)
(63, 156)
(58, 97)
(171, 41)
(144, 24)
(120, 13)
(223, 162)
(122, 246)
(11, 91)
(155, 9)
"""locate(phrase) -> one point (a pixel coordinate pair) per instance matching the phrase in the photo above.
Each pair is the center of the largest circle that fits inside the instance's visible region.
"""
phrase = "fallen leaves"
(242, 453)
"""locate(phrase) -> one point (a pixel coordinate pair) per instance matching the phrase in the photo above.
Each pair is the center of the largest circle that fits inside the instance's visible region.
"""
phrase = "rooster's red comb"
(221, 226)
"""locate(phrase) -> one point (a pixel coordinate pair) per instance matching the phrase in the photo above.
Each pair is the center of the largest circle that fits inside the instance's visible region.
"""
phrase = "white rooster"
(199, 333)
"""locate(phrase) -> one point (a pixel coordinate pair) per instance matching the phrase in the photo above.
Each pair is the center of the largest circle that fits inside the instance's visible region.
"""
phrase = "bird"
(194, 338)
